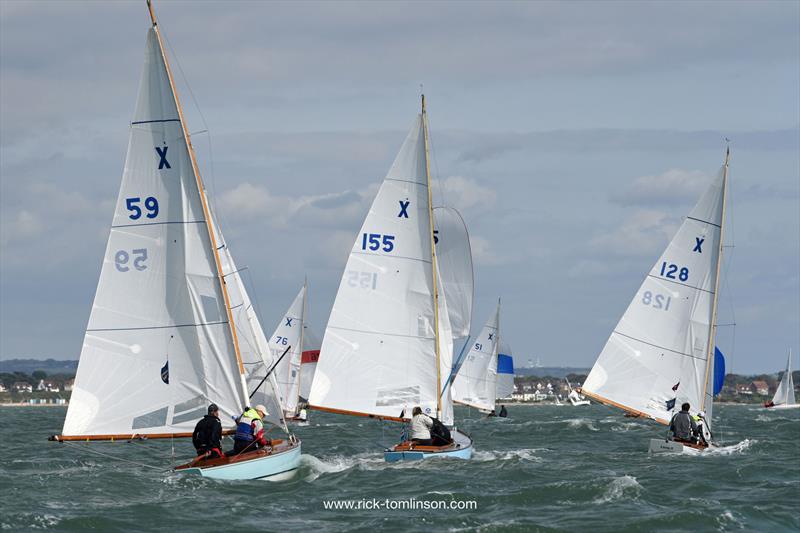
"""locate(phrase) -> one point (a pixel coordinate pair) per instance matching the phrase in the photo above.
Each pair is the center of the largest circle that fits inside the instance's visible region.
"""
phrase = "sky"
(573, 137)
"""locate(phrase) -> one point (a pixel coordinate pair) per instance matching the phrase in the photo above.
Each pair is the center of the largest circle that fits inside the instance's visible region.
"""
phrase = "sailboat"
(574, 398)
(171, 329)
(505, 370)
(475, 382)
(661, 353)
(308, 365)
(784, 395)
(290, 332)
(388, 345)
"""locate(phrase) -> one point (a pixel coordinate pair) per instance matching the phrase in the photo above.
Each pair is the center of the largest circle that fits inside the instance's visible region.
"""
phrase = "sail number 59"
(375, 241)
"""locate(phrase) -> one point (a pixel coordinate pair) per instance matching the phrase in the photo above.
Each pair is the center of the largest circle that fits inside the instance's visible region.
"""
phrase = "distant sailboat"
(505, 370)
(784, 395)
(475, 382)
(171, 329)
(574, 398)
(290, 332)
(388, 345)
(661, 354)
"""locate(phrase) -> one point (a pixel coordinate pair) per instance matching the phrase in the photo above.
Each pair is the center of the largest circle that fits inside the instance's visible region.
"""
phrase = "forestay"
(158, 347)
(784, 395)
(454, 257)
(658, 355)
(289, 335)
(475, 383)
(378, 354)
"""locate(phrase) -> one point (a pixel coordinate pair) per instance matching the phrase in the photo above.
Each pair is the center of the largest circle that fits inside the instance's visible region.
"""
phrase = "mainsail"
(159, 344)
(784, 395)
(382, 354)
(475, 383)
(454, 257)
(661, 353)
(289, 335)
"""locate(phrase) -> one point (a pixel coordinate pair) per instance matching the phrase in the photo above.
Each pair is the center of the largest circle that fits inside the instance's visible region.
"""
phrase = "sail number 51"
(373, 241)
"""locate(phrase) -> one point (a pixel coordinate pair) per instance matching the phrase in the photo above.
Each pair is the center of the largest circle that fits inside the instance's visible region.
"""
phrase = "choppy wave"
(621, 487)
(524, 454)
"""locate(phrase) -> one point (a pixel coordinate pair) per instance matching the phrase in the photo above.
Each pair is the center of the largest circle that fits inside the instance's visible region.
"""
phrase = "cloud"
(645, 232)
(465, 194)
(249, 202)
(673, 187)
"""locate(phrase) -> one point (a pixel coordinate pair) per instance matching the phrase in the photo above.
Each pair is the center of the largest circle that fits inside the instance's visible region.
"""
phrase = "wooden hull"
(461, 448)
(274, 464)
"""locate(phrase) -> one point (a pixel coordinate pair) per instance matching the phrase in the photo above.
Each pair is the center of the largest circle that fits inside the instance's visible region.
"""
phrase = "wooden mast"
(712, 337)
(203, 200)
(433, 262)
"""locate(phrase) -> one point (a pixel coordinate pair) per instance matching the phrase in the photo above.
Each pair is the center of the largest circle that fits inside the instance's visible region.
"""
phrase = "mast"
(302, 338)
(712, 337)
(433, 261)
(203, 200)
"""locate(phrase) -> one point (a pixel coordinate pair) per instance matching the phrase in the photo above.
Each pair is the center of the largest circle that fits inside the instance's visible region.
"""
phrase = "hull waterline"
(462, 449)
(274, 466)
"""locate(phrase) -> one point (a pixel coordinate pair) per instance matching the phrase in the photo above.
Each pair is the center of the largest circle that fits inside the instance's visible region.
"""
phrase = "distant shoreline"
(25, 404)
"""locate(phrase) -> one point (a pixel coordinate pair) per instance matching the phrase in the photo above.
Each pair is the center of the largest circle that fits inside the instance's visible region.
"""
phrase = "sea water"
(544, 468)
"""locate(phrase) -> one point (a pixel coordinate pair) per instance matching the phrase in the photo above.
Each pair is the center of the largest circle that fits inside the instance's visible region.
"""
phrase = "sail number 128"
(669, 270)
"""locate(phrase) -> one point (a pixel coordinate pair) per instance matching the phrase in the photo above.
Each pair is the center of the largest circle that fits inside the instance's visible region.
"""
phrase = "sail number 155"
(375, 241)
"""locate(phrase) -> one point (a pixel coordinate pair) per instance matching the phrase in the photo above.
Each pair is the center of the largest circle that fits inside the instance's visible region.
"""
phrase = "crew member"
(683, 426)
(250, 430)
(207, 435)
(421, 428)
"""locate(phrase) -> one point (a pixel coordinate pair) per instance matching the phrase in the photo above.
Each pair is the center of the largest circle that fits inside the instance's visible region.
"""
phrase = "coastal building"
(22, 386)
(69, 384)
(3, 388)
(743, 389)
(760, 387)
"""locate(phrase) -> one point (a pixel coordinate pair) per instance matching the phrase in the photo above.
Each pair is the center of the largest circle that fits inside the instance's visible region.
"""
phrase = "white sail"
(158, 347)
(378, 354)
(308, 361)
(505, 370)
(475, 383)
(784, 395)
(289, 335)
(454, 257)
(253, 348)
(445, 354)
(661, 352)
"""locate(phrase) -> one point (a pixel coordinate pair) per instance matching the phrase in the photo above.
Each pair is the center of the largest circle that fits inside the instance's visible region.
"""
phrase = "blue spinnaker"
(719, 370)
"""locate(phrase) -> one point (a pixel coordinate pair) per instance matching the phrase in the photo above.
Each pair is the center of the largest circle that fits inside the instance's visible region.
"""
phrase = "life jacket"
(244, 427)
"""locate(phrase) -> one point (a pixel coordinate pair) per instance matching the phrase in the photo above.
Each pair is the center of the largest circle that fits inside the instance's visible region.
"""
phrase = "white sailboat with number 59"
(388, 346)
(661, 354)
(171, 329)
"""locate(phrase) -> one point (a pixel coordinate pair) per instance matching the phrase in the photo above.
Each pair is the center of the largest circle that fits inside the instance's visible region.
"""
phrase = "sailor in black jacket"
(207, 436)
